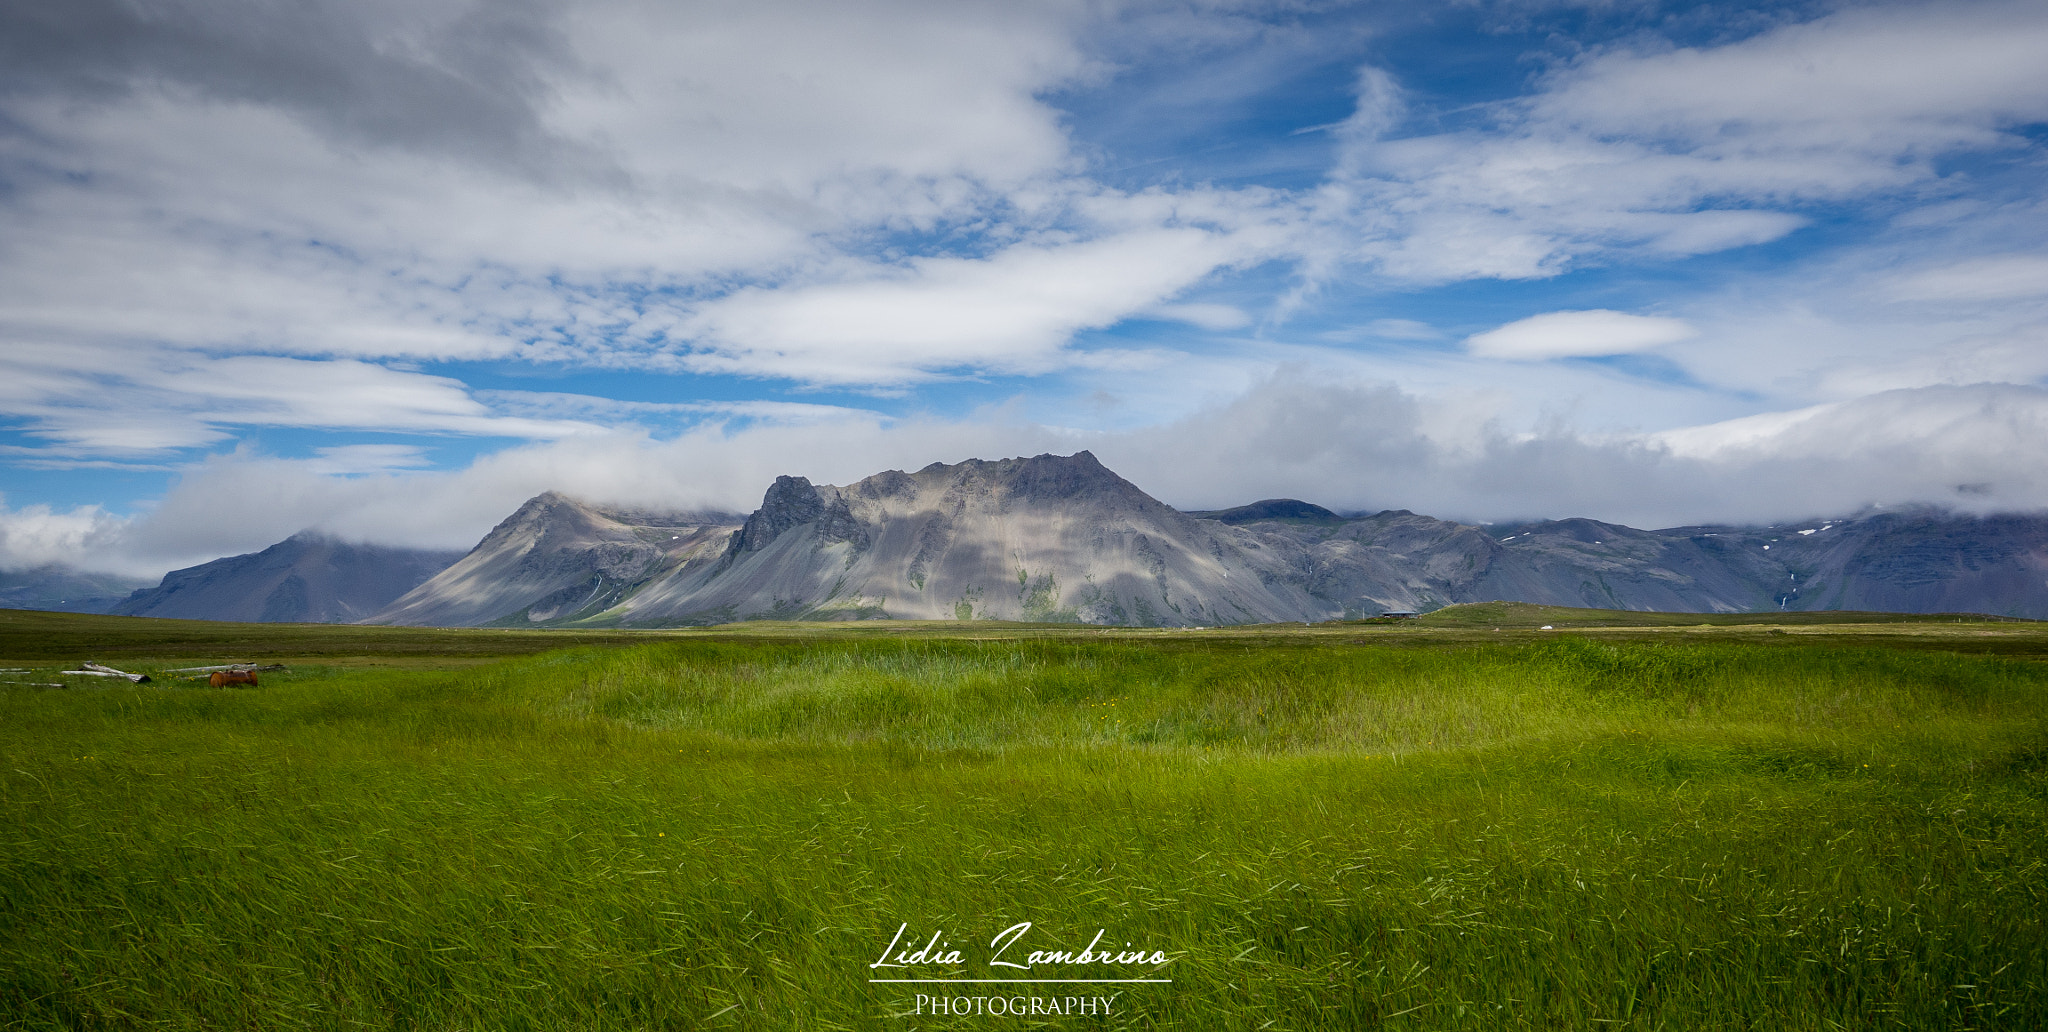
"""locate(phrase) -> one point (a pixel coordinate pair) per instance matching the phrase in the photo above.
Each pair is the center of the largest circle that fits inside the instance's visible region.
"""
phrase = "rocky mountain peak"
(792, 502)
(1052, 478)
(539, 510)
(1044, 478)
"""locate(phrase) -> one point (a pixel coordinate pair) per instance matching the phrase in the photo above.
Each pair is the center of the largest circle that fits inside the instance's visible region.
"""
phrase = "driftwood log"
(110, 671)
(96, 670)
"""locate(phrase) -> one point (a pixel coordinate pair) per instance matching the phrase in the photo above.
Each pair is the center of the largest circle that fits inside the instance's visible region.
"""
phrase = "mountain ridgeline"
(1064, 539)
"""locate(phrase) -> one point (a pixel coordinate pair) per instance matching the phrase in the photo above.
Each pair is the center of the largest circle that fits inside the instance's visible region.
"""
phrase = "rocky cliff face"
(791, 503)
(1045, 538)
(307, 578)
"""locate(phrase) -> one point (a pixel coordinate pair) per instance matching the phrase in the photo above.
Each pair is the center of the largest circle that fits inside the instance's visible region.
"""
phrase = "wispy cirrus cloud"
(1015, 311)
(109, 400)
(1578, 334)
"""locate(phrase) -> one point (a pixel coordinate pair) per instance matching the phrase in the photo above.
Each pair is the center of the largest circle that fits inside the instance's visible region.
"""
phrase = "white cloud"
(37, 535)
(1208, 316)
(1012, 312)
(1995, 278)
(2011, 354)
(1309, 433)
(1578, 334)
(1735, 436)
(1648, 151)
(1976, 447)
(355, 459)
(110, 399)
(546, 206)
(896, 108)
(1359, 445)
(1824, 106)
(1841, 325)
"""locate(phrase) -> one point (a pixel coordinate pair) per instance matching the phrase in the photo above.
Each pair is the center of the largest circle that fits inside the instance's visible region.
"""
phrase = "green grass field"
(1453, 823)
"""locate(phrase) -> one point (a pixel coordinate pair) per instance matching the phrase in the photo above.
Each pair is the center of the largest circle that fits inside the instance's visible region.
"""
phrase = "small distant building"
(1400, 614)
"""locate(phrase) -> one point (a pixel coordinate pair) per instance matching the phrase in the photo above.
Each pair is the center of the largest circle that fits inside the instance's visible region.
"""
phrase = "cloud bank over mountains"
(1348, 446)
(388, 269)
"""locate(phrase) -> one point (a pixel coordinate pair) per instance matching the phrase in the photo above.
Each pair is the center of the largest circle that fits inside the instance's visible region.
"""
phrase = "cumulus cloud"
(1578, 335)
(83, 536)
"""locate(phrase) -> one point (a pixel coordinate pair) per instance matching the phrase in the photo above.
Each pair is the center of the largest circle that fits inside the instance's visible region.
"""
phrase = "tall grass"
(1563, 835)
(1003, 696)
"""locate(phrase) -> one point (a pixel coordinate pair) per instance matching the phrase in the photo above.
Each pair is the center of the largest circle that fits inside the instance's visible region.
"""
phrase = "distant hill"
(57, 588)
(1272, 509)
(1909, 561)
(307, 578)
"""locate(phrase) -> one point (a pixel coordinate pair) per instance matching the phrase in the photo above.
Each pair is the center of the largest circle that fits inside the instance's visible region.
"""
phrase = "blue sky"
(386, 270)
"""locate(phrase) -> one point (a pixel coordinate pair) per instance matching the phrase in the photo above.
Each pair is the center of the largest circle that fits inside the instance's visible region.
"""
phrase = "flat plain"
(1625, 821)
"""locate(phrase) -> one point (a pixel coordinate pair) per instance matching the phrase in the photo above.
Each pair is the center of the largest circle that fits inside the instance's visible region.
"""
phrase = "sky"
(384, 270)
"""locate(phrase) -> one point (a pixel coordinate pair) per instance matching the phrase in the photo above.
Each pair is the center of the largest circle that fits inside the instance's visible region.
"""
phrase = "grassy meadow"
(1454, 823)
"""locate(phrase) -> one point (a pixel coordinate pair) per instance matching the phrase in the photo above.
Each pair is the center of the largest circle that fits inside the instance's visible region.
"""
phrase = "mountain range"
(306, 578)
(58, 588)
(1061, 538)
